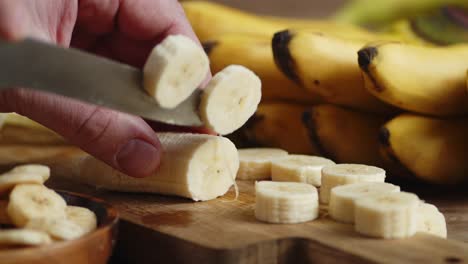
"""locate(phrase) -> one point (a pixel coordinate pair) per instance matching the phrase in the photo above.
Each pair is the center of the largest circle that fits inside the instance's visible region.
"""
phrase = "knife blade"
(76, 74)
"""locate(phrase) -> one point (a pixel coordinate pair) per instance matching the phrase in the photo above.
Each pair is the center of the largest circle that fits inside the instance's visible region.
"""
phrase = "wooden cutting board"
(159, 229)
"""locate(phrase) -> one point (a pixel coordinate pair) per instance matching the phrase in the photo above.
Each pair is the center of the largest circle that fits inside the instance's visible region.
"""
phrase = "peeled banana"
(433, 149)
(277, 125)
(388, 215)
(431, 220)
(427, 80)
(83, 217)
(174, 69)
(195, 166)
(345, 135)
(23, 237)
(255, 163)
(299, 168)
(327, 66)
(254, 52)
(57, 228)
(342, 174)
(285, 202)
(343, 198)
(230, 99)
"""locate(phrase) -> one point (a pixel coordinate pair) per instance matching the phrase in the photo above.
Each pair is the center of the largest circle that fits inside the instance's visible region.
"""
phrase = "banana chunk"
(174, 69)
(23, 237)
(38, 169)
(285, 202)
(9, 180)
(299, 168)
(57, 228)
(230, 99)
(255, 163)
(390, 215)
(431, 220)
(342, 174)
(83, 217)
(343, 198)
(195, 166)
(29, 201)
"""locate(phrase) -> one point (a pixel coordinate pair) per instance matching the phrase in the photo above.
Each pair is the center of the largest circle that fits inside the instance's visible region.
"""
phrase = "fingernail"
(138, 158)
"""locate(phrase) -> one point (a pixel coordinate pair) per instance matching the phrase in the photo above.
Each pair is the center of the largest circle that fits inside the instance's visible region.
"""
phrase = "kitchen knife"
(76, 74)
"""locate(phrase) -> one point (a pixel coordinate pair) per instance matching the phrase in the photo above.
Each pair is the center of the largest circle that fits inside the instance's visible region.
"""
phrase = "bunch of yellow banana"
(338, 90)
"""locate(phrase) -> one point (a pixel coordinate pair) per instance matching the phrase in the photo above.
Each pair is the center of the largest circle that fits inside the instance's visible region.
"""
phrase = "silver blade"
(83, 76)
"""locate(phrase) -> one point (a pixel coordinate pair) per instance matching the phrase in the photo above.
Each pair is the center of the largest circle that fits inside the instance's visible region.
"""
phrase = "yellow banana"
(406, 32)
(277, 125)
(344, 135)
(17, 129)
(434, 150)
(428, 80)
(326, 66)
(210, 20)
(254, 52)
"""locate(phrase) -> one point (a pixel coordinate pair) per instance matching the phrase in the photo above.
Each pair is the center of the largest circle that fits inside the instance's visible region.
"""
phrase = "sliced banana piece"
(342, 198)
(255, 163)
(23, 237)
(57, 228)
(38, 169)
(174, 69)
(431, 220)
(29, 201)
(390, 215)
(83, 217)
(9, 180)
(285, 202)
(230, 99)
(341, 174)
(299, 168)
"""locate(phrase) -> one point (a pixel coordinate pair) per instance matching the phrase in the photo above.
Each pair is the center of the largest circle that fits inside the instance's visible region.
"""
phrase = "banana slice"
(431, 220)
(390, 215)
(255, 163)
(174, 69)
(23, 237)
(83, 217)
(57, 228)
(341, 174)
(38, 169)
(9, 180)
(230, 99)
(343, 198)
(285, 202)
(299, 168)
(29, 201)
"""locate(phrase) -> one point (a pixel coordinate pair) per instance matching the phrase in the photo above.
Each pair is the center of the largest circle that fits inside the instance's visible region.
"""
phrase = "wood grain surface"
(167, 229)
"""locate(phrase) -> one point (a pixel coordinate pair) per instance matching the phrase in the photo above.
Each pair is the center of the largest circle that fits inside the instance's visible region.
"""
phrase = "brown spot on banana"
(282, 55)
(365, 57)
(208, 46)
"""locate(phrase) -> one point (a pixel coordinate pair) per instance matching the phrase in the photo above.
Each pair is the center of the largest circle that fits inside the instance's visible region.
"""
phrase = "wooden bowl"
(95, 247)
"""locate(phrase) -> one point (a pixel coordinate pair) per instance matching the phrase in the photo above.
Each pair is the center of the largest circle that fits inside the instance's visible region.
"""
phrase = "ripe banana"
(372, 13)
(299, 168)
(327, 66)
(285, 202)
(433, 149)
(254, 52)
(268, 126)
(431, 220)
(344, 197)
(389, 215)
(18, 129)
(230, 99)
(255, 163)
(83, 217)
(30, 201)
(345, 135)
(342, 174)
(174, 69)
(57, 228)
(195, 166)
(427, 80)
(210, 20)
(23, 237)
